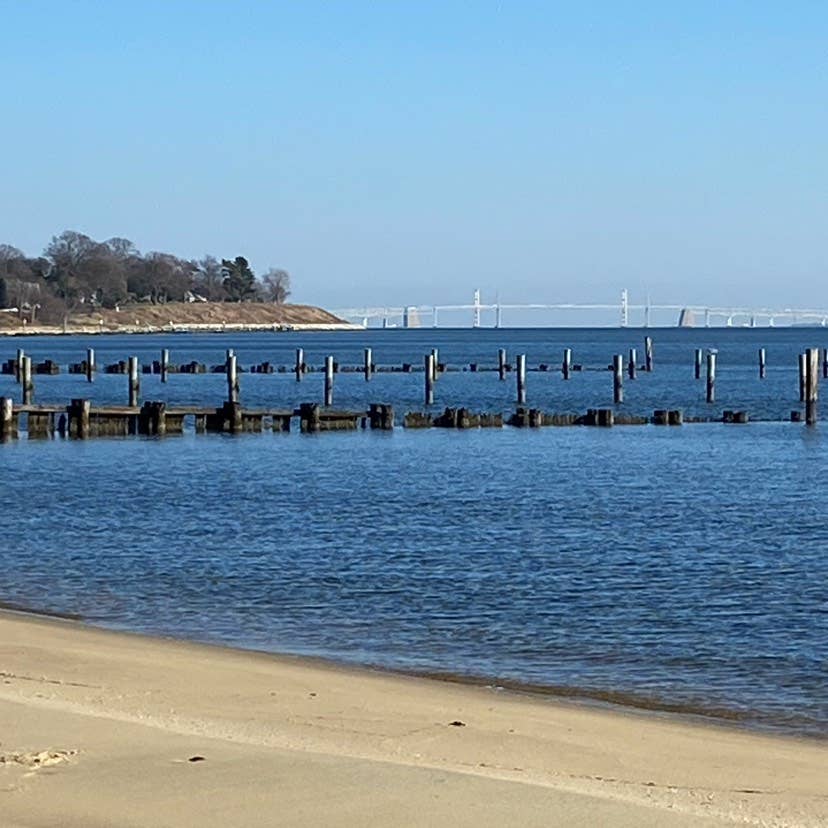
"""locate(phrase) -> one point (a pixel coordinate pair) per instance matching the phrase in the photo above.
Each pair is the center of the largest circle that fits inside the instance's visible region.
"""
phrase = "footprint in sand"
(34, 760)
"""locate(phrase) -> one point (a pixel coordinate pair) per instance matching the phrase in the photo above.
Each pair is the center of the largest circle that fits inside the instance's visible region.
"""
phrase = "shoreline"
(623, 702)
(183, 328)
(93, 720)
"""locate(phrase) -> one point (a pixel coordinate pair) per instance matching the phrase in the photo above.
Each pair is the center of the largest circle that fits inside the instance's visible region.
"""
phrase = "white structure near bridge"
(492, 314)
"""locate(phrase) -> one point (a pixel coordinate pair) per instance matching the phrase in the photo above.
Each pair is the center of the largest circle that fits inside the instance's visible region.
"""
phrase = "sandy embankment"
(191, 317)
(103, 729)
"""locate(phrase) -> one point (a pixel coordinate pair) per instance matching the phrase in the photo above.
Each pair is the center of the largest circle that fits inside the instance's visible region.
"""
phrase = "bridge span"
(492, 314)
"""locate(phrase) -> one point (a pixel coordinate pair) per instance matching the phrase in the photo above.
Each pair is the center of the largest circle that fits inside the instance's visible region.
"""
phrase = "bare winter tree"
(208, 279)
(161, 278)
(276, 285)
(8, 256)
(23, 278)
(86, 272)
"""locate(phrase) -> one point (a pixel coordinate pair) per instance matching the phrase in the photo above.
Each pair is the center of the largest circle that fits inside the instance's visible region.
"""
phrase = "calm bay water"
(679, 568)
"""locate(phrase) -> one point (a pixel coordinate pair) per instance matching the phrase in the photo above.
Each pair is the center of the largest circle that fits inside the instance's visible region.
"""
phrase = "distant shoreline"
(184, 317)
(77, 330)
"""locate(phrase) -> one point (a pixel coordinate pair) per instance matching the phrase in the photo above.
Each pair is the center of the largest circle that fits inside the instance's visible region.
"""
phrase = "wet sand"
(106, 729)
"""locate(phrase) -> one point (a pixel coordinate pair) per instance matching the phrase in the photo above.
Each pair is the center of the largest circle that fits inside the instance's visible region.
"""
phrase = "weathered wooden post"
(435, 366)
(429, 379)
(698, 365)
(7, 429)
(300, 364)
(812, 385)
(18, 363)
(152, 420)
(711, 376)
(165, 363)
(79, 418)
(631, 366)
(329, 380)
(521, 379)
(310, 420)
(618, 379)
(761, 363)
(566, 366)
(648, 353)
(368, 366)
(26, 380)
(825, 363)
(381, 416)
(232, 377)
(90, 364)
(501, 363)
(134, 384)
(802, 370)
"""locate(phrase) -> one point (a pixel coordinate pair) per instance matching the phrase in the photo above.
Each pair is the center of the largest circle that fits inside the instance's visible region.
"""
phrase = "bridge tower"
(476, 310)
(625, 307)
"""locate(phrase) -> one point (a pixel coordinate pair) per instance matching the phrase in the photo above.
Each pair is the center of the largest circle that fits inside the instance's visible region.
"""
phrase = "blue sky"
(389, 153)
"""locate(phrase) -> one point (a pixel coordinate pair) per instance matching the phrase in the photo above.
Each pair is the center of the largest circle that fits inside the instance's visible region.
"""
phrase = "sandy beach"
(106, 729)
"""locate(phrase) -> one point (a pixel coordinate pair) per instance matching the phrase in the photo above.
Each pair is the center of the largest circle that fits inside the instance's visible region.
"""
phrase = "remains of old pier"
(82, 419)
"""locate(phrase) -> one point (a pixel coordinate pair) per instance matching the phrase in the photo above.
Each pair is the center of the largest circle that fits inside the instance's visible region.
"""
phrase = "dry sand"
(103, 729)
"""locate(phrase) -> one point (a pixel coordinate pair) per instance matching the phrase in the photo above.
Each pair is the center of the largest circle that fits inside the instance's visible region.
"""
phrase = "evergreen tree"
(239, 280)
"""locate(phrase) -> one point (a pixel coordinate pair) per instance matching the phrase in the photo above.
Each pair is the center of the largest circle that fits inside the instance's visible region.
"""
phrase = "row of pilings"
(24, 371)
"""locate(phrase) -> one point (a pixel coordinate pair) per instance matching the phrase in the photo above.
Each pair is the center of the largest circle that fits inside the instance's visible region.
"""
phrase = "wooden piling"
(618, 379)
(368, 365)
(825, 363)
(299, 367)
(26, 380)
(698, 363)
(134, 382)
(159, 418)
(501, 363)
(648, 353)
(802, 370)
(309, 418)
(631, 364)
(435, 365)
(811, 385)
(329, 380)
(521, 379)
(79, 411)
(40, 424)
(566, 365)
(232, 416)
(8, 426)
(18, 363)
(152, 420)
(429, 379)
(232, 378)
(711, 376)
(761, 363)
(165, 363)
(90, 364)
(381, 416)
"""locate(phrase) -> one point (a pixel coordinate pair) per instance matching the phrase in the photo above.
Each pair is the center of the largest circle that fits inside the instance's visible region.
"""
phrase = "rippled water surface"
(684, 568)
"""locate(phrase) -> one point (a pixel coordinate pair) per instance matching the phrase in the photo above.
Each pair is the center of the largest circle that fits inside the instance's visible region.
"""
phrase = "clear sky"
(389, 152)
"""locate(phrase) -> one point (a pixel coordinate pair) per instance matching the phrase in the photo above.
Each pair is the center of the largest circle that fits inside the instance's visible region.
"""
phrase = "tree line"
(75, 272)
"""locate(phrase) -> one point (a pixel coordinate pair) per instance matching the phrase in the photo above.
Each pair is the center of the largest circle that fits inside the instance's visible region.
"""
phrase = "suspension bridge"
(491, 314)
